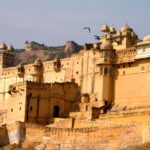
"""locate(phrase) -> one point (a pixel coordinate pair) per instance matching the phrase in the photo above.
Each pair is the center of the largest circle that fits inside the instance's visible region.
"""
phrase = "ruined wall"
(16, 132)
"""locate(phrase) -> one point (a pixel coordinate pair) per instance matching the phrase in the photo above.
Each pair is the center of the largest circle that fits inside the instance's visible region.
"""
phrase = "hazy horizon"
(53, 22)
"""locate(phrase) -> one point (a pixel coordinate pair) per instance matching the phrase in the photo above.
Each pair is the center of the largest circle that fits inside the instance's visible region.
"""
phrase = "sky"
(53, 22)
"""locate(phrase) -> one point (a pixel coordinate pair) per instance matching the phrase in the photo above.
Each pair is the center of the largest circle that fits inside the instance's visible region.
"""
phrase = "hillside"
(47, 54)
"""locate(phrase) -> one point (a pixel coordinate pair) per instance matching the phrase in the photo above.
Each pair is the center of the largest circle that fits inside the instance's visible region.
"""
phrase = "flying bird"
(87, 28)
(96, 37)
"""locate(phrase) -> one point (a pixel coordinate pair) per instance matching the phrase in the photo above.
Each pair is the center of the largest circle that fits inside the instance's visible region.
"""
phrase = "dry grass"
(140, 147)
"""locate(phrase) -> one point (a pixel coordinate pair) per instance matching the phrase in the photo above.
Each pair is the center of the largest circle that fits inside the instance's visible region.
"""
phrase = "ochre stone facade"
(113, 72)
(99, 95)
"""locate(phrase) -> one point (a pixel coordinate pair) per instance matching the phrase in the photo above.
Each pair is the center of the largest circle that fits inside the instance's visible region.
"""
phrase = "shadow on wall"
(4, 139)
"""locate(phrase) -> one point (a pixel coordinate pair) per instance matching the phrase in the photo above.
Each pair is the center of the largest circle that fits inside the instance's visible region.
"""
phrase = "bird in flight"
(87, 28)
(96, 37)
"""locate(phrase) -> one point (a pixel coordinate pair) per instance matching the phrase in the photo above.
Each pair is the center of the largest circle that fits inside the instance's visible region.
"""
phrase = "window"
(77, 72)
(11, 110)
(101, 70)
(20, 108)
(105, 71)
(110, 72)
(56, 111)
(73, 80)
(142, 68)
(123, 73)
(31, 108)
(102, 54)
(129, 64)
(86, 108)
(106, 54)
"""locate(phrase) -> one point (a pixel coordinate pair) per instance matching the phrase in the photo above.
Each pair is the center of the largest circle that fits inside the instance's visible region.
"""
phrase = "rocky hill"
(49, 53)
(72, 47)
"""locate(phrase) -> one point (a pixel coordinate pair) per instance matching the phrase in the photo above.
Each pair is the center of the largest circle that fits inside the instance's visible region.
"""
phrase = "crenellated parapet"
(125, 56)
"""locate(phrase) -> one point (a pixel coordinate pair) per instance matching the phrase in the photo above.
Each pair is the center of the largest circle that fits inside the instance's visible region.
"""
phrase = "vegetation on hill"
(50, 53)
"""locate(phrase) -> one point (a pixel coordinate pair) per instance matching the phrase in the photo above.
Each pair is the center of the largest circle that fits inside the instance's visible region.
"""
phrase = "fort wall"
(114, 136)
(98, 134)
(131, 85)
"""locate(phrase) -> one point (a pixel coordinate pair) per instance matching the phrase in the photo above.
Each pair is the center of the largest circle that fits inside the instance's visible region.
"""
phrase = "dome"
(133, 34)
(37, 62)
(146, 38)
(3, 46)
(105, 28)
(108, 36)
(112, 30)
(106, 46)
(126, 28)
(10, 48)
(118, 33)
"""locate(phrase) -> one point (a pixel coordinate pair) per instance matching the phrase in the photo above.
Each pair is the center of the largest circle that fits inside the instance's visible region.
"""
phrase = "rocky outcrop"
(72, 47)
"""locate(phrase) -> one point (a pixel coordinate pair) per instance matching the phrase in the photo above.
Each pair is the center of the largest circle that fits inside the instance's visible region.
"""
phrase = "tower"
(124, 38)
(37, 74)
(107, 54)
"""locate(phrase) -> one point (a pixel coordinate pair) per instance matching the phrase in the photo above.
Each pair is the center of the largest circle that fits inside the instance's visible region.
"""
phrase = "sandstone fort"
(96, 98)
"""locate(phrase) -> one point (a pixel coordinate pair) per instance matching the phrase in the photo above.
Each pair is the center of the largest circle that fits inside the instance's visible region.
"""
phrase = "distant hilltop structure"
(72, 46)
(33, 46)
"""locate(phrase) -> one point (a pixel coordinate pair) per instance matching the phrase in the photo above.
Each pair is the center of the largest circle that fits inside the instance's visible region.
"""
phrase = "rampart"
(105, 136)
(113, 136)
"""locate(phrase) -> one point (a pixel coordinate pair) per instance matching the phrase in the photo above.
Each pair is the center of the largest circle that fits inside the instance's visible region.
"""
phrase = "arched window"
(142, 68)
(101, 70)
(105, 71)
(56, 111)
(110, 72)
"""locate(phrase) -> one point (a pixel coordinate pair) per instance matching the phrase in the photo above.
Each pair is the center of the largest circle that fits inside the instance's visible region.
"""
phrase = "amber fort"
(95, 99)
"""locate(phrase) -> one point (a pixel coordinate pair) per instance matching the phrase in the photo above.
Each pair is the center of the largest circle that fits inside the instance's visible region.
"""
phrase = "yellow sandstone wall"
(132, 88)
(80, 67)
(111, 137)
